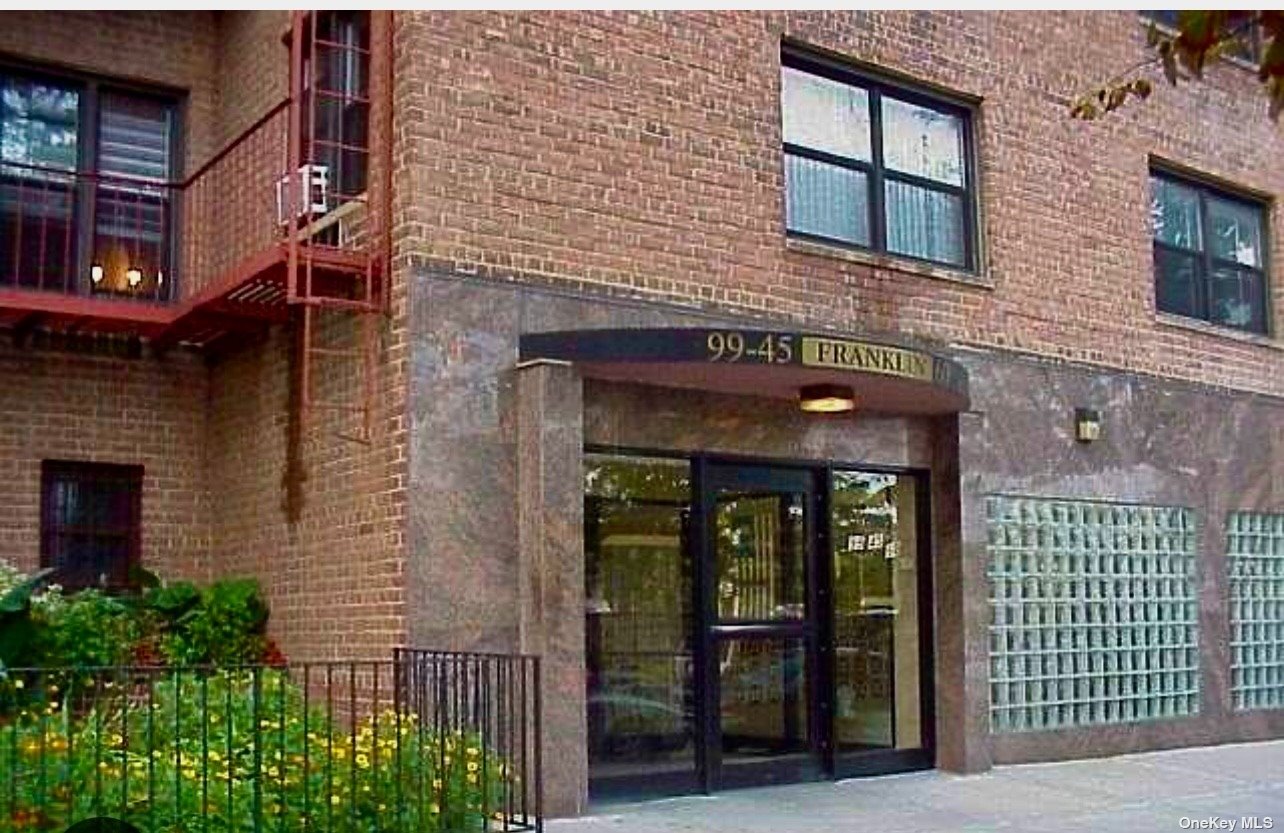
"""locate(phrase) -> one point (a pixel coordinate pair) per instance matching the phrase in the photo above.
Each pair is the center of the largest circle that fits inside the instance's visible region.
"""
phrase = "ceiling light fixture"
(826, 399)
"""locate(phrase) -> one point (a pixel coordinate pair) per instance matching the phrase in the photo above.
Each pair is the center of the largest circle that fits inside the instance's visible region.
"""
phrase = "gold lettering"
(845, 354)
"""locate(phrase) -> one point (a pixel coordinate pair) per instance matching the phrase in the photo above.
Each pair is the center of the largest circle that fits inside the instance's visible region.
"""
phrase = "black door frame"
(817, 633)
(710, 630)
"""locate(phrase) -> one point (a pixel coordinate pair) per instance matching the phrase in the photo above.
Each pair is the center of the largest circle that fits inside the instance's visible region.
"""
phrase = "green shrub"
(239, 751)
(226, 626)
(89, 629)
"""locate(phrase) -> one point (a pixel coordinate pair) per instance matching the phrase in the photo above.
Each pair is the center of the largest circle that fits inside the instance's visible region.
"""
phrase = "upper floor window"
(86, 170)
(877, 166)
(1209, 260)
(337, 66)
(90, 519)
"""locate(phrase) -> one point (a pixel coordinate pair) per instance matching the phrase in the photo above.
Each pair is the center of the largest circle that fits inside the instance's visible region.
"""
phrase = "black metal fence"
(429, 741)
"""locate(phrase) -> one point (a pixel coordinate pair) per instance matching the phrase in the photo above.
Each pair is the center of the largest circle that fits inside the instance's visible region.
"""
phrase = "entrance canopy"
(887, 378)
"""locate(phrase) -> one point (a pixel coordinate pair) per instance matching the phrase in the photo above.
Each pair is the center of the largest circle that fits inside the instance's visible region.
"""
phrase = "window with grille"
(86, 172)
(337, 69)
(876, 165)
(90, 522)
(1210, 261)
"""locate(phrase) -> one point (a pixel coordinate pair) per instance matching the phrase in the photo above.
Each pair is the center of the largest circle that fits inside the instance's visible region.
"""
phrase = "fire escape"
(288, 223)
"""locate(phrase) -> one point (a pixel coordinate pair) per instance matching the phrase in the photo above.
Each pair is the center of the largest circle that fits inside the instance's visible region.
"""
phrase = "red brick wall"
(65, 406)
(334, 578)
(253, 67)
(642, 150)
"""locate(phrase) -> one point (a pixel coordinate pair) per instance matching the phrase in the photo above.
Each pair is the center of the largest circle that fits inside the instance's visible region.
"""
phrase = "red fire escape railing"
(77, 233)
(274, 216)
(293, 212)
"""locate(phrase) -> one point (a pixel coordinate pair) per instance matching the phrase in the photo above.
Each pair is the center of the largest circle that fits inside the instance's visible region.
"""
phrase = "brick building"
(504, 332)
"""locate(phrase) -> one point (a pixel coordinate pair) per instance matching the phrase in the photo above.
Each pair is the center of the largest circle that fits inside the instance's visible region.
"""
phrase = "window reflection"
(876, 636)
(638, 617)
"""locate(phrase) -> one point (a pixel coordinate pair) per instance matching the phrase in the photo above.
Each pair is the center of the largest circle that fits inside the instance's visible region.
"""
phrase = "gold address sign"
(869, 358)
(741, 346)
(816, 351)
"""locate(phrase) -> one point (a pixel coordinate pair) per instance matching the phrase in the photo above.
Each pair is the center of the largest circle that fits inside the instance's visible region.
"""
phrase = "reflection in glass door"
(877, 590)
(750, 623)
(761, 636)
(638, 620)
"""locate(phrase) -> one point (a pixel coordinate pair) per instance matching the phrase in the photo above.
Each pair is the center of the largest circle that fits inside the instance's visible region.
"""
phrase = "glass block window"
(1094, 613)
(1210, 263)
(1255, 560)
(875, 165)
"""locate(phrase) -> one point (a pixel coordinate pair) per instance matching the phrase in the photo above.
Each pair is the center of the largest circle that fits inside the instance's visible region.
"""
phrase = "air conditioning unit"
(311, 199)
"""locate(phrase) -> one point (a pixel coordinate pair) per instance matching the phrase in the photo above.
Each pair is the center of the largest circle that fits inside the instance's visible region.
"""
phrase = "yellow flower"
(365, 788)
(214, 756)
(383, 807)
(19, 684)
(472, 779)
(189, 773)
(334, 799)
(473, 766)
(273, 771)
(473, 751)
(363, 762)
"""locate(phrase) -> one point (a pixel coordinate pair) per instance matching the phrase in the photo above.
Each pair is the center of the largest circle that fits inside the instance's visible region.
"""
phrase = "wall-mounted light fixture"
(1087, 425)
(826, 399)
(134, 275)
(96, 273)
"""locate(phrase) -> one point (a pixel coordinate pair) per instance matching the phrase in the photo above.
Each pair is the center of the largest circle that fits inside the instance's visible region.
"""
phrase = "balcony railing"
(121, 237)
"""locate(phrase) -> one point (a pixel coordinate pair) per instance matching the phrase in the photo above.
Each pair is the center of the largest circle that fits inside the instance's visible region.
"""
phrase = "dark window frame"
(875, 85)
(55, 472)
(1205, 262)
(90, 88)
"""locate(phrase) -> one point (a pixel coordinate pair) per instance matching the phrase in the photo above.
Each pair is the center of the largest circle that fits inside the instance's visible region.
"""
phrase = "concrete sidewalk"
(1156, 791)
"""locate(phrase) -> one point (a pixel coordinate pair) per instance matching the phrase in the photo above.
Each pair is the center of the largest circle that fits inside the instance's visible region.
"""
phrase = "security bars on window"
(1094, 613)
(1255, 561)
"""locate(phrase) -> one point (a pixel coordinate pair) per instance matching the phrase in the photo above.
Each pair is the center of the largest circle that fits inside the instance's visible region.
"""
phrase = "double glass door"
(751, 624)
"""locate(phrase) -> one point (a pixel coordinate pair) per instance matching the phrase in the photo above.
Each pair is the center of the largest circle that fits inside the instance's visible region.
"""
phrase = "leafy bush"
(89, 629)
(224, 627)
(234, 751)
(179, 624)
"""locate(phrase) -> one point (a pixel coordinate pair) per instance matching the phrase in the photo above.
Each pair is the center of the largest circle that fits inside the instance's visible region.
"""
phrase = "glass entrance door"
(750, 623)
(761, 636)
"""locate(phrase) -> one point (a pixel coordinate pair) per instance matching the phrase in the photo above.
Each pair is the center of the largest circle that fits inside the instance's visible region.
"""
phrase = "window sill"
(890, 262)
(1195, 325)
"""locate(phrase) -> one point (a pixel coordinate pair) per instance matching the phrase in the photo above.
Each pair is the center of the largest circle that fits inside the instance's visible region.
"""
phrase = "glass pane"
(761, 545)
(134, 136)
(876, 636)
(1236, 230)
(1174, 214)
(924, 142)
(763, 696)
(38, 124)
(637, 615)
(826, 115)
(924, 223)
(1236, 299)
(1176, 283)
(826, 200)
(37, 247)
